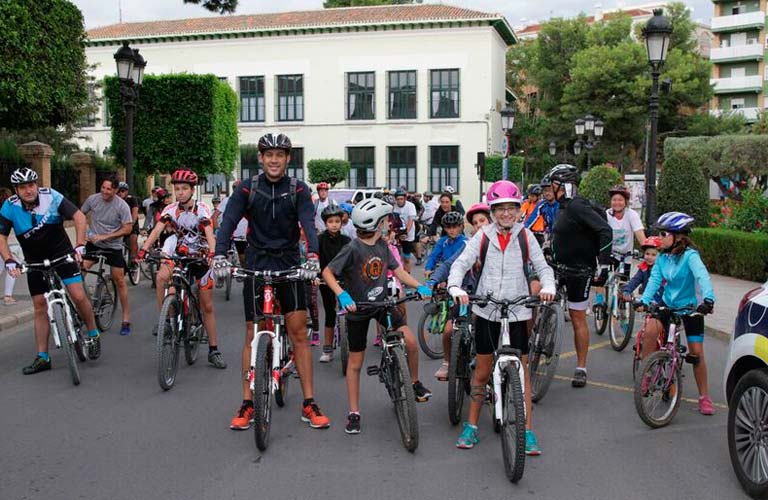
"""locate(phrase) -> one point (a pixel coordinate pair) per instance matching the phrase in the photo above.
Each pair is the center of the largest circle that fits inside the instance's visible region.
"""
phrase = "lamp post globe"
(578, 126)
(657, 33)
(577, 148)
(599, 128)
(589, 123)
(124, 60)
(137, 75)
(552, 148)
(507, 118)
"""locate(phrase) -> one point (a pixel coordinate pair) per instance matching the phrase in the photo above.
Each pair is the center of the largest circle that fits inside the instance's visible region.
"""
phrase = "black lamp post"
(657, 34)
(553, 150)
(507, 122)
(589, 130)
(130, 72)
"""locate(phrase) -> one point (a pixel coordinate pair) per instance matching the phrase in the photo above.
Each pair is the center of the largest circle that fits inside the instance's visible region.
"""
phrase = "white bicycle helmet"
(23, 175)
(449, 190)
(367, 214)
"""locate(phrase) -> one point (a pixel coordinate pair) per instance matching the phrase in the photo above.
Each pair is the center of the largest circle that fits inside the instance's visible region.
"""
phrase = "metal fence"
(66, 180)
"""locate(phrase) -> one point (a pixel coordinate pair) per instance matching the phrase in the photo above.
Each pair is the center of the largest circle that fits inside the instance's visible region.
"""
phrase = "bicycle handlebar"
(292, 274)
(655, 309)
(523, 300)
(46, 264)
(389, 302)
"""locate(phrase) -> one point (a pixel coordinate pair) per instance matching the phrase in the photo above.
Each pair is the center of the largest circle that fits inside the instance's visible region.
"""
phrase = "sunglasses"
(664, 234)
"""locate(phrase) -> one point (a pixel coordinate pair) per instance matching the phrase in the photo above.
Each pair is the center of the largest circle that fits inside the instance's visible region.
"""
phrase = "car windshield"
(341, 195)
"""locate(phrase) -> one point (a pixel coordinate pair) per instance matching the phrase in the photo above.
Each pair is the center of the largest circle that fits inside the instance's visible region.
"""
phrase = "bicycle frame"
(502, 358)
(57, 295)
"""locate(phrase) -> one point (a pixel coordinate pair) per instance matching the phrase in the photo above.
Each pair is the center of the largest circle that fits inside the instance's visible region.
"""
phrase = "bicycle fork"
(502, 362)
(56, 297)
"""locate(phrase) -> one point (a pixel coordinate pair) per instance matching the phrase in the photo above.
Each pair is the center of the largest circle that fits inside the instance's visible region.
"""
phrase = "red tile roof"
(535, 28)
(290, 20)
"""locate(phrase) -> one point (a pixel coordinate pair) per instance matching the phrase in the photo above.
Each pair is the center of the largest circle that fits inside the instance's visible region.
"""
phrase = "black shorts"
(240, 246)
(114, 256)
(329, 306)
(578, 289)
(407, 247)
(357, 327)
(69, 272)
(487, 335)
(693, 326)
(290, 296)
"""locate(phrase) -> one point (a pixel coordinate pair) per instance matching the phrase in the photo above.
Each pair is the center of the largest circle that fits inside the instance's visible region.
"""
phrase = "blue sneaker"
(599, 300)
(531, 444)
(125, 329)
(468, 438)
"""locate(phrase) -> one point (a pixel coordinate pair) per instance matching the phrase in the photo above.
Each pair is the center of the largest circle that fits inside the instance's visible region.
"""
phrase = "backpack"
(317, 203)
(598, 208)
(522, 240)
(254, 191)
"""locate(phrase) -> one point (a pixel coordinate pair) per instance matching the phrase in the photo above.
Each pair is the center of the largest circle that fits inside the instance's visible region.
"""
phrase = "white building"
(409, 94)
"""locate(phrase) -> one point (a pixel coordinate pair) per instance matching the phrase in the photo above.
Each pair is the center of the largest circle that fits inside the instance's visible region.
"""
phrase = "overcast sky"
(517, 12)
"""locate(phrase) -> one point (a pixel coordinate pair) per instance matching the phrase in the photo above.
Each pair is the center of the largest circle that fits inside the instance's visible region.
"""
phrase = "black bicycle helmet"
(452, 218)
(332, 210)
(23, 175)
(274, 141)
(564, 174)
(534, 189)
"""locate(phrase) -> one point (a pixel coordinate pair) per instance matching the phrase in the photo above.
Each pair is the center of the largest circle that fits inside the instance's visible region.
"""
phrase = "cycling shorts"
(114, 257)
(357, 328)
(329, 306)
(693, 326)
(69, 272)
(407, 247)
(487, 335)
(578, 291)
(291, 296)
(200, 272)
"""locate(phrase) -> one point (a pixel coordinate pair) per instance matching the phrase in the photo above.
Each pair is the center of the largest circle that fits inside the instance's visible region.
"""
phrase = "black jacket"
(330, 246)
(580, 235)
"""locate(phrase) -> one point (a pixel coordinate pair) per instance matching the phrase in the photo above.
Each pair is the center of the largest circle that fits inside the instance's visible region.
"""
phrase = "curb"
(11, 320)
(718, 334)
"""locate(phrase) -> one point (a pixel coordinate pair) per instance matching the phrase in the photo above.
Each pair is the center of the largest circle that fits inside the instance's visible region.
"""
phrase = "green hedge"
(181, 120)
(494, 165)
(597, 182)
(330, 170)
(683, 187)
(733, 253)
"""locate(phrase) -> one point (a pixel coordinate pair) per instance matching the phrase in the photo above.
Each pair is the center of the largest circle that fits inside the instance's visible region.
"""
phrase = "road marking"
(624, 388)
(599, 345)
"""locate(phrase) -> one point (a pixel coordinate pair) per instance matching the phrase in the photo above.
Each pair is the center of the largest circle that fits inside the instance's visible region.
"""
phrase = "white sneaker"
(326, 357)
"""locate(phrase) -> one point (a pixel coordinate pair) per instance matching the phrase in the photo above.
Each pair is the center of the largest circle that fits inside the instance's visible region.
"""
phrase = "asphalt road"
(119, 436)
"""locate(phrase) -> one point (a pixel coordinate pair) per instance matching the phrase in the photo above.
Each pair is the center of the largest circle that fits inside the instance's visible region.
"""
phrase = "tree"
(494, 166)
(42, 63)
(220, 6)
(332, 4)
(683, 187)
(597, 182)
(331, 171)
(709, 124)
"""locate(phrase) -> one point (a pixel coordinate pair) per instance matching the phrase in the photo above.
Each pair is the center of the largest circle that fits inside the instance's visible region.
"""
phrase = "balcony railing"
(737, 84)
(754, 51)
(749, 114)
(734, 23)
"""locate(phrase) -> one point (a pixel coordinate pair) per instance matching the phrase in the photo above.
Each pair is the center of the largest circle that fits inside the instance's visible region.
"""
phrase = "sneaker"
(419, 261)
(442, 373)
(468, 438)
(579, 378)
(216, 359)
(125, 329)
(315, 338)
(314, 417)
(531, 444)
(705, 406)
(93, 344)
(38, 365)
(327, 355)
(422, 393)
(353, 424)
(243, 418)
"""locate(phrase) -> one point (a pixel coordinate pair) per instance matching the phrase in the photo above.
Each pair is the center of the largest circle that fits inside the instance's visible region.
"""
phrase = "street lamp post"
(657, 33)
(130, 72)
(507, 122)
(589, 130)
(553, 150)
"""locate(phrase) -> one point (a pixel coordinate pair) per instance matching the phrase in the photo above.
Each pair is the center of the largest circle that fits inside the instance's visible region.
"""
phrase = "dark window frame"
(358, 160)
(296, 165)
(443, 91)
(252, 113)
(364, 94)
(440, 170)
(287, 109)
(396, 162)
(398, 99)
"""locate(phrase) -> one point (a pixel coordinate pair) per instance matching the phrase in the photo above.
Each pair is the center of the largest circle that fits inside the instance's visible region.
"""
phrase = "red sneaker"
(312, 415)
(242, 419)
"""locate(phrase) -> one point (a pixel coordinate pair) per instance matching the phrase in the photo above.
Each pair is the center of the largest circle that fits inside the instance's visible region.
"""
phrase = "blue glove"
(424, 291)
(462, 310)
(345, 300)
(430, 283)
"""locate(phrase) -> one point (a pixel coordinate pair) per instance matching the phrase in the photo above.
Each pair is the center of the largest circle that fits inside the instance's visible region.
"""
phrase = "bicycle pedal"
(692, 359)
(372, 370)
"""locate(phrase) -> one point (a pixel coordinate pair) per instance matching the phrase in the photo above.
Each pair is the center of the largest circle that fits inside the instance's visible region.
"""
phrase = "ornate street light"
(507, 122)
(130, 72)
(588, 130)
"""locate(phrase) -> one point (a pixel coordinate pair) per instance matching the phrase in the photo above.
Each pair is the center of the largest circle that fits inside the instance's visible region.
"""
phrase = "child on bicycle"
(363, 264)
(479, 215)
(449, 243)
(504, 275)
(680, 269)
(652, 328)
(331, 242)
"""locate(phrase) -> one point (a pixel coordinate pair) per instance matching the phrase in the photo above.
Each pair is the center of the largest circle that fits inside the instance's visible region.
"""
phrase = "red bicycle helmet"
(184, 176)
(651, 242)
(619, 189)
(323, 185)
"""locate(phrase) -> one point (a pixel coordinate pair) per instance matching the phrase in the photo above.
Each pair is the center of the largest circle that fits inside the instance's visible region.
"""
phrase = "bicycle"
(394, 373)
(544, 347)
(562, 272)
(432, 323)
(616, 312)
(272, 363)
(104, 294)
(637, 355)
(234, 261)
(133, 269)
(66, 325)
(660, 376)
(459, 369)
(180, 320)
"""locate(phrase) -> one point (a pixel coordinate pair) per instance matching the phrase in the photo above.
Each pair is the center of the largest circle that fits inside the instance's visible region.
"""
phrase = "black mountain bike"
(103, 294)
(459, 371)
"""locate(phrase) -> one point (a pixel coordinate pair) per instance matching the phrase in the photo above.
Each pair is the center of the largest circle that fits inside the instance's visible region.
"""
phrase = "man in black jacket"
(274, 204)
(581, 238)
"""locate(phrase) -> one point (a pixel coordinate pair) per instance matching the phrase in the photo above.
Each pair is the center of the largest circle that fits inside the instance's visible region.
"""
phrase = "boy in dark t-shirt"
(362, 265)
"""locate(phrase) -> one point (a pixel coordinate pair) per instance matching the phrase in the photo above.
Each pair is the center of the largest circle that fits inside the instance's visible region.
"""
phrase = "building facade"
(409, 94)
(739, 73)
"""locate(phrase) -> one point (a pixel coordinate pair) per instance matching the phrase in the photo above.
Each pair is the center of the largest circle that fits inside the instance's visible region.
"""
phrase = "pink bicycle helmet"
(478, 208)
(503, 192)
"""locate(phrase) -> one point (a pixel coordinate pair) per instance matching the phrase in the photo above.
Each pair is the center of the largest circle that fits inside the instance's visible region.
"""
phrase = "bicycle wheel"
(600, 312)
(282, 389)
(458, 373)
(104, 302)
(195, 332)
(431, 334)
(341, 324)
(79, 344)
(512, 424)
(622, 322)
(66, 343)
(262, 400)
(658, 390)
(167, 343)
(404, 399)
(134, 273)
(545, 353)
(145, 268)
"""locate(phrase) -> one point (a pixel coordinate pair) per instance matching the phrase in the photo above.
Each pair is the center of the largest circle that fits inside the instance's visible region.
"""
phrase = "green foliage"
(760, 127)
(733, 253)
(329, 170)
(725, 155)
(494, 166)
(751, 214)
(708, 124)
(596, 183)
(611, 32)
(9, 153)
(181, 120)
(42, 64)
(249, 154)
(219, 6)
(683, 187)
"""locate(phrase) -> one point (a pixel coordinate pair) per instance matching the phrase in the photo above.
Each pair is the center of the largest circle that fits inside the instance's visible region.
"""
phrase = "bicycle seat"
(509, 351)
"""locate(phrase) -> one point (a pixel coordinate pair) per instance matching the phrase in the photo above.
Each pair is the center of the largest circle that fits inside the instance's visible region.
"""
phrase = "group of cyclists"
(363, 251)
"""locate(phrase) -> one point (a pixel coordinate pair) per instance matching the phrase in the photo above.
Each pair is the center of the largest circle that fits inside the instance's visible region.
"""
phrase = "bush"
(329, 170)
(682, 184)
(733, 253)
(751, 214)
(494, 166)
(597, 182)
(182, 120)
(724, 155)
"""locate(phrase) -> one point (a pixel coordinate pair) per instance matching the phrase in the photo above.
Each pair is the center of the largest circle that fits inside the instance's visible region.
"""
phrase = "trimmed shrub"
(329, 170)
(181, 120)
(494, 166)
(682, 184)
(751, 214)
(597, 182)
(733, 253)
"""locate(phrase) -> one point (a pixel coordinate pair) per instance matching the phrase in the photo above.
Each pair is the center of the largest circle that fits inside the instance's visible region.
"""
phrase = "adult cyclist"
(37, 217)
(274, 204)
(580, 237)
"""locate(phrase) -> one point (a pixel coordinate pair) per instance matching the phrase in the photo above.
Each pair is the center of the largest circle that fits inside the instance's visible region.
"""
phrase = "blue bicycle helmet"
(675, 222)
(347, 207)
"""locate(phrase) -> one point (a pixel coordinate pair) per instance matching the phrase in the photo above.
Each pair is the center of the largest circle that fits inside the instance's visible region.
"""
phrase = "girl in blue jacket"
(681, 270)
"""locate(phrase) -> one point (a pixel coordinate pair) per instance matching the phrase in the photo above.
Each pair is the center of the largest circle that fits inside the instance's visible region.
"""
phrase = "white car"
(349, 195)
(746, 390)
